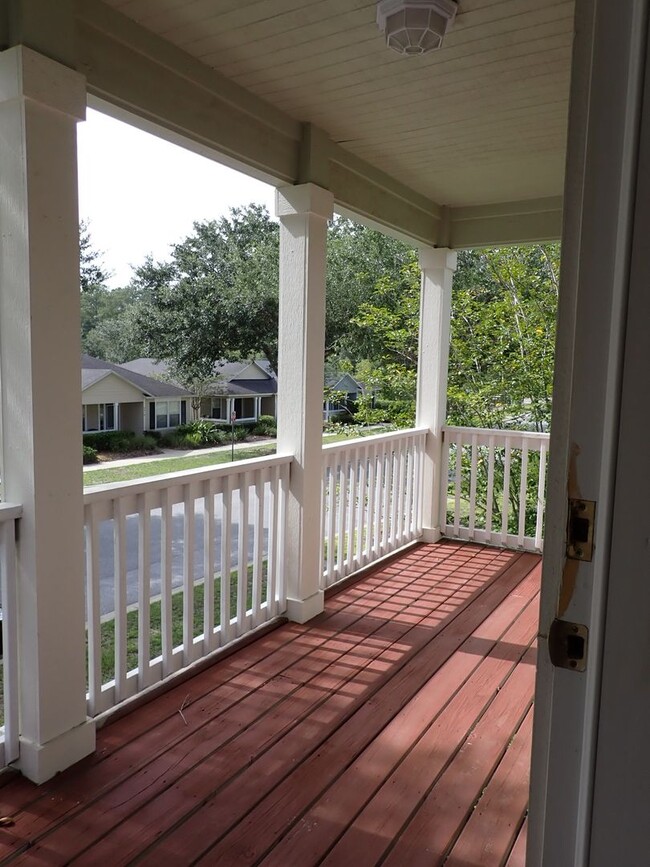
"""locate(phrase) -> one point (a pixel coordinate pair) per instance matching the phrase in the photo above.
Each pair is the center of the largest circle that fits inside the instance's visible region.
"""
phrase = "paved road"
(106, 568)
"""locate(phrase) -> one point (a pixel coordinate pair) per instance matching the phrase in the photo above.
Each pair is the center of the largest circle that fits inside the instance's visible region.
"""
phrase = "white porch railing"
(9, 514)
(371, 500)
(178, 566)
(493, 486)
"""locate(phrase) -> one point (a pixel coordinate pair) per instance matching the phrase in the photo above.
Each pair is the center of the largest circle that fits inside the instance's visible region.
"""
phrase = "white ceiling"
(482, 120)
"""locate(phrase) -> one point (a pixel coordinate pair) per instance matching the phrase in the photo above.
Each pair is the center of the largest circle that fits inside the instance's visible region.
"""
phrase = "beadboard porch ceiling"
(482, 120)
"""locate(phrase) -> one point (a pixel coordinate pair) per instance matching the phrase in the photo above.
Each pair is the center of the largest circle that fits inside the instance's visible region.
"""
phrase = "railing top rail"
(10, 511)
(390, 436)
(497, 433)
(155, 483)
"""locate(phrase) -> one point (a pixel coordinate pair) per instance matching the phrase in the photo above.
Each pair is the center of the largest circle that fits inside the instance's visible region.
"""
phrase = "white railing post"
(438, 266)
(370, 505)
(499, 458)
(40, 104)
(229, 520)
(303, 212)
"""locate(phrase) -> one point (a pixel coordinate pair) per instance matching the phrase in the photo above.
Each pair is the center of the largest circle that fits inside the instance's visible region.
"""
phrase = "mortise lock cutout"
(567, 645)
(580, 532)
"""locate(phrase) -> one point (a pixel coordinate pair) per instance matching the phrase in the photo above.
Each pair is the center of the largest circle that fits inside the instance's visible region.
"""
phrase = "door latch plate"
(580, 533)
(567, 645)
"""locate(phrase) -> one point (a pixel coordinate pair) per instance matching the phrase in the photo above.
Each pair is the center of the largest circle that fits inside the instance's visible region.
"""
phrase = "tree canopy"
(502, 337)
(217, 297)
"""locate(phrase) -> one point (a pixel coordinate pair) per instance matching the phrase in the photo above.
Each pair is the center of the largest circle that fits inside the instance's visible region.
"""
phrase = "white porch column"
(303, 211)
(438, 266)
(40, 104)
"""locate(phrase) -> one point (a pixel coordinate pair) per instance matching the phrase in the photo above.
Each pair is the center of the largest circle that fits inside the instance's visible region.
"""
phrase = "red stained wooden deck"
(394, 729)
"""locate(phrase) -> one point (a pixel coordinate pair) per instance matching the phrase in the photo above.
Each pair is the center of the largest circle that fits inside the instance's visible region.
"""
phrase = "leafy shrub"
(143, 443)
(201, 433)
(196, 435)
(108, 440)
(371, 416)
(89, 455)
(266, 426)
(119, 441)
(239, 433)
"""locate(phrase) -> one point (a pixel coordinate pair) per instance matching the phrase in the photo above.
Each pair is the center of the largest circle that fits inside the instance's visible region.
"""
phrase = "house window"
(174, 413)
(219, 407)
(107, 416)
(167, 413)
(98, 416)
(245, 407)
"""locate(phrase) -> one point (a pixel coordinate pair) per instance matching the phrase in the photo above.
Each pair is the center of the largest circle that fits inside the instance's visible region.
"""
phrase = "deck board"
(392, 726)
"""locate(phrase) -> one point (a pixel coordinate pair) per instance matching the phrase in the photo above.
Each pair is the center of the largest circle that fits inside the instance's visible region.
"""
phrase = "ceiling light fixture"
(415, 26)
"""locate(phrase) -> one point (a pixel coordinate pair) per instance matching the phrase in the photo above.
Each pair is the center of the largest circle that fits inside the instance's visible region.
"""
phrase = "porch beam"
(525, 222)
(438, 267)
(303, 212)
(40, 104)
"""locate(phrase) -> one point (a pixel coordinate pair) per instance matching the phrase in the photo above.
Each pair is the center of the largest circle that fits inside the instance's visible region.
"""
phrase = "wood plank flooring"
(394, 729)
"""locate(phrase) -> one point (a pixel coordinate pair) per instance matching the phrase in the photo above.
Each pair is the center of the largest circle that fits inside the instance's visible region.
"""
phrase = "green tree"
(106, 327)
(358, 259)
(502, 337)
(216, 298)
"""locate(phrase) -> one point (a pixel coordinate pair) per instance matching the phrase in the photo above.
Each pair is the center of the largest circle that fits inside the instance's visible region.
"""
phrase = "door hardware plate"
(568, 644)
(580, 532)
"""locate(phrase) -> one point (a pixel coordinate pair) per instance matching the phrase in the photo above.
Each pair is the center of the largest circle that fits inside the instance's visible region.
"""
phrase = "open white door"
(587, 748)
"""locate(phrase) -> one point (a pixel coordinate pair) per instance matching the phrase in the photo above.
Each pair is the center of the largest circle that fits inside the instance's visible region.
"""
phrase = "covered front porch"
(461, 148)
(394, 728)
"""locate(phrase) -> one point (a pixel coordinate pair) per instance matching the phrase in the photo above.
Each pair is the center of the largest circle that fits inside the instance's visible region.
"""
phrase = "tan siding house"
(115, 398)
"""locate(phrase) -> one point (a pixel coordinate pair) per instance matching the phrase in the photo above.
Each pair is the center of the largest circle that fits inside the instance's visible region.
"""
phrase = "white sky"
(141, 194)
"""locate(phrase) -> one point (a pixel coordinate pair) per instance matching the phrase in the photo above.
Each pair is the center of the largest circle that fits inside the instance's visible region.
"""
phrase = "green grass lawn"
(107, 474)
(155, 634)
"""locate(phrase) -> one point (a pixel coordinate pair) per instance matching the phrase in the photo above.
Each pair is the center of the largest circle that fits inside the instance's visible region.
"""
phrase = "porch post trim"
(40, 104)
(438, 266)
(303, 212)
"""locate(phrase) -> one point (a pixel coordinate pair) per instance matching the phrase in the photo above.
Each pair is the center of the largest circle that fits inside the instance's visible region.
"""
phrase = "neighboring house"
(342, 383)
(116, 398)
(247, 388)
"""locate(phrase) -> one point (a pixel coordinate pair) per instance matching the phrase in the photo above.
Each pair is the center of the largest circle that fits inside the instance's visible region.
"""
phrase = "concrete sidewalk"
(168, 454)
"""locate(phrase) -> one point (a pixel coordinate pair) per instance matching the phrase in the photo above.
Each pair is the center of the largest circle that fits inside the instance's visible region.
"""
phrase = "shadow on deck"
(394, 729)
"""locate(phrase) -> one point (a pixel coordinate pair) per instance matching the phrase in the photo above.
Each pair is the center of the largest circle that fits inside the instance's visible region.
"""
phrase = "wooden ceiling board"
(300, 73)
(227, 15)
(421, 109)
(440, 114)
(359, 99)
(285, 26)
(280, 31)
(340, 31)
(141, 10)
(481, 120)
(307, 25)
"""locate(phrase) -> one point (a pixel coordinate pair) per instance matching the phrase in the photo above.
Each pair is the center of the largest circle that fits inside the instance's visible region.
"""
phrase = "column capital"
(292, 201)
(438, 257)
(26, 74)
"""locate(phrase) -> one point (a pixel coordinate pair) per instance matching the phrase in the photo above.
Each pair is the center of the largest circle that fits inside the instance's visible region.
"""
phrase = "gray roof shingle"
(94, 369)
(224, 372)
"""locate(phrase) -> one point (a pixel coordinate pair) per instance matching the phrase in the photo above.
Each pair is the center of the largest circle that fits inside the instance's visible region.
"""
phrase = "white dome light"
(415, 26)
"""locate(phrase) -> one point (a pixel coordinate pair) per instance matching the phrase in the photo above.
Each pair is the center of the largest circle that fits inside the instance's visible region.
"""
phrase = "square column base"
(40, 762)
(302, 610)
(431, 534)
